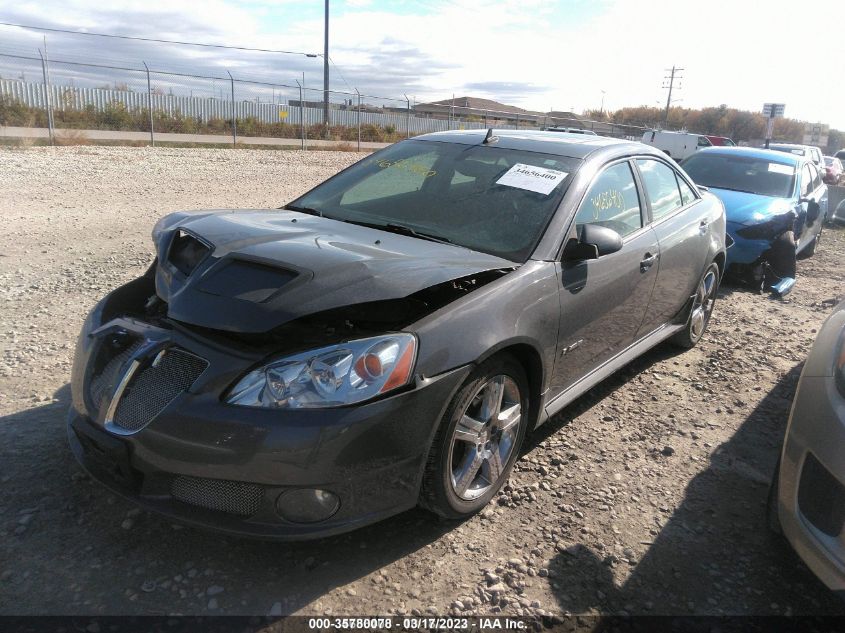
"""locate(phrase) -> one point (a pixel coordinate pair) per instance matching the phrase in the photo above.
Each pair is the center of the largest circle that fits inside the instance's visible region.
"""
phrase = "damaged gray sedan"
(388, 339)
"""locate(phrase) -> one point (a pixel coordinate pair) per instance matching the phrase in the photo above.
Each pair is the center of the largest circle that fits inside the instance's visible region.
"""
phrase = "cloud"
(535, 54)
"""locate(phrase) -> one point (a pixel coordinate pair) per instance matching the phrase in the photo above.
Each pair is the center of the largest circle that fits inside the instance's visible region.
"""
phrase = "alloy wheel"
(485, 437)
(702, 306)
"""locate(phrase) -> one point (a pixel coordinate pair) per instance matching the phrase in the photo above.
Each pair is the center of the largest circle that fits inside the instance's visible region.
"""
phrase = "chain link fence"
(147, 104)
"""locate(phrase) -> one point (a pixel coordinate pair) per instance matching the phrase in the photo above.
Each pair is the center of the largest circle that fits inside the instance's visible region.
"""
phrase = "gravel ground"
(646, 496)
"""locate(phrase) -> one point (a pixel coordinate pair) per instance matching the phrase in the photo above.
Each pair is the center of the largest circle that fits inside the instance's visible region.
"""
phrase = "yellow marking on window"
(406, 165)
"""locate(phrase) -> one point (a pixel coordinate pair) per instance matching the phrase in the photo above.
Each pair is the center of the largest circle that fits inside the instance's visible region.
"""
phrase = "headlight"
(330, 376)
(769, 229)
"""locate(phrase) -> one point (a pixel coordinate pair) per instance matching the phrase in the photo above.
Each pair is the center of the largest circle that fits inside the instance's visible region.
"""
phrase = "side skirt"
(610, 367)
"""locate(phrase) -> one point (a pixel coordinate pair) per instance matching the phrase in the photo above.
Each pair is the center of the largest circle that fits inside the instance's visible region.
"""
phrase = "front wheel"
(810, 249)
(702, 308)
(478, 440)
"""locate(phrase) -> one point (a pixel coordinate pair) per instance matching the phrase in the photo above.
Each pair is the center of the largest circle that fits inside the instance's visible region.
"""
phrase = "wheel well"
(720, 262)
(531, 362)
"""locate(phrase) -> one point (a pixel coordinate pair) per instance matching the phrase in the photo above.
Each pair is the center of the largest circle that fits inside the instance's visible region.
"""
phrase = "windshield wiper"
(737, 190)
(308, 210)
(401, 229)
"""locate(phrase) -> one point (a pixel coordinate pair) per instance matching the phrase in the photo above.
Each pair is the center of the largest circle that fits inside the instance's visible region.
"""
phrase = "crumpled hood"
(751, 208)
(267, 267)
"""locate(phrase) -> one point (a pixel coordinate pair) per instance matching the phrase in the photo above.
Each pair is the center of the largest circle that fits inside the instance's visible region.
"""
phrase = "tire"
(772, 518)
(702, 308)
(781, 258)
(472, 443)
(810, 249)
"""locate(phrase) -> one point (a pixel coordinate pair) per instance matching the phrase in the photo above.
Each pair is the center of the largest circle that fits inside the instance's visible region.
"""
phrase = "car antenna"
(490, 138)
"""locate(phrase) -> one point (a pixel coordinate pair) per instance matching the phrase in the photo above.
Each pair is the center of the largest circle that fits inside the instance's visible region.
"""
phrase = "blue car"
(775, 204)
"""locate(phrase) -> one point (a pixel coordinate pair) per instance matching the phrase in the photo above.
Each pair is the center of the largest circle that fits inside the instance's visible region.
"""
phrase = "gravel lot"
(646, 496)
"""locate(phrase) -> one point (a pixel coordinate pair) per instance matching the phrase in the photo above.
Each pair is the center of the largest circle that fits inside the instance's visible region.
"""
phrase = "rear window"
(798, 151)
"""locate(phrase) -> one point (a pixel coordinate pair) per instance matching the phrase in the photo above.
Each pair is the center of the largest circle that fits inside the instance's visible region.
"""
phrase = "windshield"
(482, 197)
(742, 173)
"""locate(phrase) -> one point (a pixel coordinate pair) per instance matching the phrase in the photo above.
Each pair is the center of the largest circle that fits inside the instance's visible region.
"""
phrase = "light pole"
(326, 71)
(601, 109)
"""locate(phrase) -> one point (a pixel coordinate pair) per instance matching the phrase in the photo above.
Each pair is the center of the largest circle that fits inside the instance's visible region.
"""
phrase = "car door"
(603, 300)
(813, 207)
(680, 223)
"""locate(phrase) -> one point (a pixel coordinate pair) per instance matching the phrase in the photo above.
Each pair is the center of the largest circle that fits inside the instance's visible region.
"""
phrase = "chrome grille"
(104, 382)
(234, 497)
(155, 386)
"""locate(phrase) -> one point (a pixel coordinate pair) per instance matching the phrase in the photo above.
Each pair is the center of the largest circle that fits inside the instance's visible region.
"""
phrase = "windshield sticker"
(780, 168)
(537, 179)
(412, 167)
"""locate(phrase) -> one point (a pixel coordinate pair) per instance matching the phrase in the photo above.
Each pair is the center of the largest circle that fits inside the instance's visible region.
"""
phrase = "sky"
(536, 54)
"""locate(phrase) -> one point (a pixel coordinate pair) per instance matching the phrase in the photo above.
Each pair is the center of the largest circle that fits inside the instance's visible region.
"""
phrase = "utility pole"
(601, 109)
(326, 71)
(674, 73)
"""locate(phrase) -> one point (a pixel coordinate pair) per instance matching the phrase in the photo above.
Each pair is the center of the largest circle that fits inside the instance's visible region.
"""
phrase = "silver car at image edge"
(807, 498)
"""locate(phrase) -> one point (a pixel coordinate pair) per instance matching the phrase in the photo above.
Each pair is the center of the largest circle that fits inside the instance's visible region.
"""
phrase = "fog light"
(307, 505)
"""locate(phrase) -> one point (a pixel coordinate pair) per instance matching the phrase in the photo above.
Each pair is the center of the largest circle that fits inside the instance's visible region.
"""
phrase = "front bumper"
(370, 456)
(811, 484)
(744, 251)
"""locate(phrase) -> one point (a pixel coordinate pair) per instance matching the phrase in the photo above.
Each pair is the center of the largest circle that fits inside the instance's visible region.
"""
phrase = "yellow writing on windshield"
(407, 165)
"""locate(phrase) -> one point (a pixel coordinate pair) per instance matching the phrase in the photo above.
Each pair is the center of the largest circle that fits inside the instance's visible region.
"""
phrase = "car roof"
(753, 152)
(557, 143)
(793, 145)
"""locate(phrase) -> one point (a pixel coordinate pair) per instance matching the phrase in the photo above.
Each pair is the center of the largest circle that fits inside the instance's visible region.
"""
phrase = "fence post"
(234, 116)
(408, 118)
(150, 105)
(359, 118)
(47, 98)
(301, 115)
(517, 120)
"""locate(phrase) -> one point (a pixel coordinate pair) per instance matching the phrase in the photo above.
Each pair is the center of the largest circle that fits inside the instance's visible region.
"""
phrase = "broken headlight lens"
(330, 376)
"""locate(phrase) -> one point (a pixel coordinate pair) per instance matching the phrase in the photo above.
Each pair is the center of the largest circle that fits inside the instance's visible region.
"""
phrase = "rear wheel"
(478, 440)
(702, 308)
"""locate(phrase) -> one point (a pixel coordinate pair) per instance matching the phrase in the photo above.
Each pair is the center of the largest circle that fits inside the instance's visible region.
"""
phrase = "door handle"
(648, 261)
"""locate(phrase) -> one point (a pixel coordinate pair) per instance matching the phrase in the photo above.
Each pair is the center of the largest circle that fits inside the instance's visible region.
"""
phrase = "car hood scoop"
(268, 267)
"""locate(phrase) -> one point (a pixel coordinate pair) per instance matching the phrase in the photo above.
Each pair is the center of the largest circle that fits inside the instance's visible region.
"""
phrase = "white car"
(807, 497)
(678, 145)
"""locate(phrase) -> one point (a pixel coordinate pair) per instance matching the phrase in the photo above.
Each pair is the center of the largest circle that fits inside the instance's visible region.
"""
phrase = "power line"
(158, 41)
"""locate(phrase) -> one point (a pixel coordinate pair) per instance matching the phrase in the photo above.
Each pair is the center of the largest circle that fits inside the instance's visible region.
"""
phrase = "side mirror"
(593, 241)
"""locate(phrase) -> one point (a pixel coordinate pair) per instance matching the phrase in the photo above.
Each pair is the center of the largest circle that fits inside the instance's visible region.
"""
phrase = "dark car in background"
(388, 338)
(775, 203)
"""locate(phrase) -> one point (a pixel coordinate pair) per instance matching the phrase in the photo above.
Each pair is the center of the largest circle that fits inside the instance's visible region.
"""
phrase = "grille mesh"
(234, 497)
(103, 383)
(153, 388)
